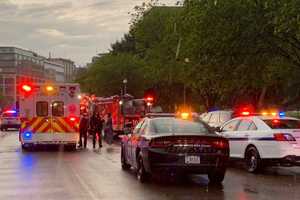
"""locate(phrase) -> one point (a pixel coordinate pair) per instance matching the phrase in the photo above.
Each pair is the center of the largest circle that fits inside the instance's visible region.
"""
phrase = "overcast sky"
(74, 29)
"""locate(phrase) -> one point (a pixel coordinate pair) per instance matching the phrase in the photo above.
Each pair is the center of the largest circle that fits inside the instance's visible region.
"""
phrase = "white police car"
(264, 140)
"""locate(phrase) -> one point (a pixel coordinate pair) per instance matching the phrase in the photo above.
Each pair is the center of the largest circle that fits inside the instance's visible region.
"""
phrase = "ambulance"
(49, 114)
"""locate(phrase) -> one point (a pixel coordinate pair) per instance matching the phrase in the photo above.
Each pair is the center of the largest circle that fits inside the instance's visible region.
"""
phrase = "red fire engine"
(125, 111)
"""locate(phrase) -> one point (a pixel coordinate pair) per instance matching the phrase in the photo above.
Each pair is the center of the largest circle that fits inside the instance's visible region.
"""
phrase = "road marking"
(84, 185)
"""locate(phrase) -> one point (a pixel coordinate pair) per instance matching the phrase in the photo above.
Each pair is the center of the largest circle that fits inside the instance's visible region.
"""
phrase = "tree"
(234, 45)
(105, 77)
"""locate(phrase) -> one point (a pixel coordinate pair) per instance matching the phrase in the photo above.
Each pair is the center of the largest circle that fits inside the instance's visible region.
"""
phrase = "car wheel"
(142, 175)
(252, 160)
(27, 147)
(70, 147)
(216, 176)
(124, 164)
(24, 148)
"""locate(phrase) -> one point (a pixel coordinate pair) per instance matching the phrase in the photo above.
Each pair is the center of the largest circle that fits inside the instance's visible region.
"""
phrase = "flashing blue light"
(27, 136)
(11, 111)
(281, 114)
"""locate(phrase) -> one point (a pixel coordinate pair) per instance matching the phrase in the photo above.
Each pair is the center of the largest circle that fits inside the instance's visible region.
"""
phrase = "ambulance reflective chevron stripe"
(49, 125)
(65, 125)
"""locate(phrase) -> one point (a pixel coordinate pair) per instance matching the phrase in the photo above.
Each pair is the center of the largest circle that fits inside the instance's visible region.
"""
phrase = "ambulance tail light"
(73, 119)
(284, 137)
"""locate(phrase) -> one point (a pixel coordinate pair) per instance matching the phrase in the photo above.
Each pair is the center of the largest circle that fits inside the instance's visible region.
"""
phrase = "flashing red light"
(245, 113)
(149, 99)
(73, 119)
(26, 88)
(276, 121)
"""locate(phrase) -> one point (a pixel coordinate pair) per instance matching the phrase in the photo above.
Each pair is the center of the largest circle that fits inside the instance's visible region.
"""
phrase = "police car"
(9, 119)
(264, 140)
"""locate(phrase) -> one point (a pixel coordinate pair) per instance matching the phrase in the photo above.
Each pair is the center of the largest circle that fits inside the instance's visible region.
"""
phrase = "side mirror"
(218, 129)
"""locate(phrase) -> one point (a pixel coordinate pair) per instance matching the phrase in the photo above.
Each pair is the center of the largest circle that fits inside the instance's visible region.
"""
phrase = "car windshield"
(133, 107)
(283, 123)
(173, 125)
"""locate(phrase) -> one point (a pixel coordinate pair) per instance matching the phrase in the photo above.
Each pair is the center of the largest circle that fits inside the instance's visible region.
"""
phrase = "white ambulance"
(49, 114)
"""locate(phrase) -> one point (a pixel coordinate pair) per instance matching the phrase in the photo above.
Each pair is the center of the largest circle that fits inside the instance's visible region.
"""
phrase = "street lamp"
(186, 61)
(125, 82)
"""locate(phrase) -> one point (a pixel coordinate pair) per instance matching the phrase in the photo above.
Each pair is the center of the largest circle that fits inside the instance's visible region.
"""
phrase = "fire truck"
(126, 111)
(49, 114)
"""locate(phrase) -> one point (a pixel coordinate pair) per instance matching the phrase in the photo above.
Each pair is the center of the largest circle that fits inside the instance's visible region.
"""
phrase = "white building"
(57, 68)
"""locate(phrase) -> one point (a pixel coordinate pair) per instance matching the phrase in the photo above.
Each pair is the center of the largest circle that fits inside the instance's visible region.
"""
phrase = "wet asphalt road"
(91, 175)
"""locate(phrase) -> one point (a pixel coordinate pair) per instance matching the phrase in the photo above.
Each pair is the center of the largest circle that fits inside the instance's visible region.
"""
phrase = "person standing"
(83, 129)
(96, 126)
(109, 134)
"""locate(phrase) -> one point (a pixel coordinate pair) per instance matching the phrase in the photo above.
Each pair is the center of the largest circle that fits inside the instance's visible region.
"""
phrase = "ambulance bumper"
(49, 138)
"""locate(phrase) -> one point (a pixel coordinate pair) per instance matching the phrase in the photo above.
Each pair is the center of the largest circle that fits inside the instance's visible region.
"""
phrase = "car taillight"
(221, 144)
(159, 143)
(284, 137)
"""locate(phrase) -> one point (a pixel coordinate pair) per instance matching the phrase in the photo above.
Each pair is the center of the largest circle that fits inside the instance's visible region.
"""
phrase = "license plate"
(192, 159)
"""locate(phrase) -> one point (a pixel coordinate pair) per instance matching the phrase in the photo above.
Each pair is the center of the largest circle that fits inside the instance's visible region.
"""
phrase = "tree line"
(221, 53)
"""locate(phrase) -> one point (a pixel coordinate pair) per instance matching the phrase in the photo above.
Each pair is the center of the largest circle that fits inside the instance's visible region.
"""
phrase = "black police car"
(170, 144)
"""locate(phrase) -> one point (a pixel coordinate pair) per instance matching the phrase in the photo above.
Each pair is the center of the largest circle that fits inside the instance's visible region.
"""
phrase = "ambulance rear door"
(65, 109)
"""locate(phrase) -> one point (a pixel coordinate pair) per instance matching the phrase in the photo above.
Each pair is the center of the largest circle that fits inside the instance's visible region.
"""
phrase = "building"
(55, 70)
(16, 66)
(19, 65)
(69, 68)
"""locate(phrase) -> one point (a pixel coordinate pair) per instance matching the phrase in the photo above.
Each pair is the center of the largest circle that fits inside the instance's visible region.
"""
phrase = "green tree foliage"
(225, 52)
(106, 75)
(236, 48)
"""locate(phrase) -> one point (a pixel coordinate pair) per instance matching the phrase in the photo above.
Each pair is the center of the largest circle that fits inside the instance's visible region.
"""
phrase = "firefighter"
(83, 129)
(96, 125)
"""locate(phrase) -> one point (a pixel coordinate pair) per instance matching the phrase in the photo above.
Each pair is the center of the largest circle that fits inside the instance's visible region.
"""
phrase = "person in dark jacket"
(109, 134)
(96, 125)
(83, 129)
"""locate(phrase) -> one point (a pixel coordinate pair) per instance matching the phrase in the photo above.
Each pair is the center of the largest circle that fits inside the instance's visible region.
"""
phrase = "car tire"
(70, 147)
(253, 162)
(216, 176)
(124, 164)
(141, 173)
(26, 148)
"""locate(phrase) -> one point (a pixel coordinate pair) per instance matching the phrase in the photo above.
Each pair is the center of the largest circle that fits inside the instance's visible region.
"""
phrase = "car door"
(229, 131)
(136, 138)
(243, 133)
(131, 142)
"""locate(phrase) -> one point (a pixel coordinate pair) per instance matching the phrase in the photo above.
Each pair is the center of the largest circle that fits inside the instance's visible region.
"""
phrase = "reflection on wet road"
(89, 174)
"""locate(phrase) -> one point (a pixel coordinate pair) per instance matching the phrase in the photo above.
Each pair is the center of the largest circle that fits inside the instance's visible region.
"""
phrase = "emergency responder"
(83, 128)
(109, 135)
(96, 125)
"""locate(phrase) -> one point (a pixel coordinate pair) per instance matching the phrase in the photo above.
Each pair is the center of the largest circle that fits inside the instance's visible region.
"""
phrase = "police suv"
(265, 140)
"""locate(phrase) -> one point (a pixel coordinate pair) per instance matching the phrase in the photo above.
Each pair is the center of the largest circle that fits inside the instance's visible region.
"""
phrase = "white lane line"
(84, 185)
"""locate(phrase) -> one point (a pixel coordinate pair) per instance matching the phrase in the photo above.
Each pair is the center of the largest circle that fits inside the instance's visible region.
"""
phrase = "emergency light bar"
(11, 111)
(26, 88)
